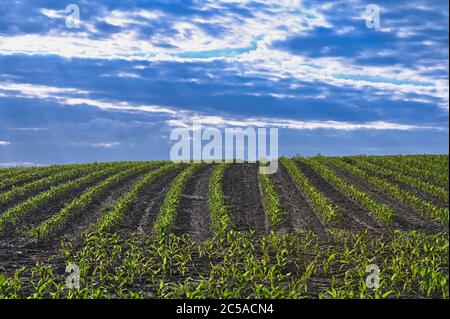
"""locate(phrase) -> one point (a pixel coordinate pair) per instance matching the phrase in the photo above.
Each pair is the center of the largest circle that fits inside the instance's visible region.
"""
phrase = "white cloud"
(56, 94)
(98, 145)
(29, 129)
(118, 106)
(2, 143)
(294, 124)
(36, 91)
(53, 14)
(122, 75)
(18, 164)
(277, 21)
(120, 18)
(183, 117)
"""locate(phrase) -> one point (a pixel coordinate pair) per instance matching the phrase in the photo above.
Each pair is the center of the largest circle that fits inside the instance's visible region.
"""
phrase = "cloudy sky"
(114, 88)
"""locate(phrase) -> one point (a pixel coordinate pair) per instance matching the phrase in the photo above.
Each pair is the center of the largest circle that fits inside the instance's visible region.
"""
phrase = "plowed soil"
(193, 214)
(243, 197)
(353, 217)
(140, 219)
(241, 188)
(406, 218)
(301, 215)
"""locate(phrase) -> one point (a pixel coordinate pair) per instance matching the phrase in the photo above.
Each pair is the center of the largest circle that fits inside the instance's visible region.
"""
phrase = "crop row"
(114, 214)
(75, 208)
(428, 188)
(327, 212)
(433, 176)
(427, 162)
(235, 264)
(6, 173)
(13, 215)
(381, 212)
(434, 164)
(272, 202)
(46, 182)
(29, 174)
(243, 265)
(409, 264)
(220, 215)
(439, 214)
(165, 221)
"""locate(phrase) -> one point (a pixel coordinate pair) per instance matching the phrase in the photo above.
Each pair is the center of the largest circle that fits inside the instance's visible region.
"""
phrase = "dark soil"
(240, 187)
(27, 180)
(413, 190)
(354, 217)
(405, 218)
(141, 218)
(427, 180)
(17, 250)
(301, 215)
(14, 255)
(422, 178)
(243, 196)
(95, 209)
(9, 187)
(52, 207)
(5, 206)
(193, 216)
(419, 193)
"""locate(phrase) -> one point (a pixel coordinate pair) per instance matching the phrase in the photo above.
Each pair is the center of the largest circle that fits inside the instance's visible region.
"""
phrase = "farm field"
(320, 227)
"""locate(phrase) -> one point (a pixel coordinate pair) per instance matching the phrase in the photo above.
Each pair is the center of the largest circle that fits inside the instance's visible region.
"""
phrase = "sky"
(115, 85)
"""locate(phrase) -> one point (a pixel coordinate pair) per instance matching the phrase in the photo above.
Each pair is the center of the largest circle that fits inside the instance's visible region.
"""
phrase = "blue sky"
(114, 88)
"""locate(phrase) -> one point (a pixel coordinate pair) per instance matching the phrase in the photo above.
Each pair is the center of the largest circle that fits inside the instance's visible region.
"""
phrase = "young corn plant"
(58, 221)
(428, 175)
(273, 207)
(220, 215)
(381, 212)
(115, 213)
(12, 216)
(54, 179)
(428, 188)
(427, 208)
(166, 219)
(324, 209)
(28, 175)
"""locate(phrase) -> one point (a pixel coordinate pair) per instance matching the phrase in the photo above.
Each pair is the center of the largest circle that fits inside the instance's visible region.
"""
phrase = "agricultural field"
(320, 227)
